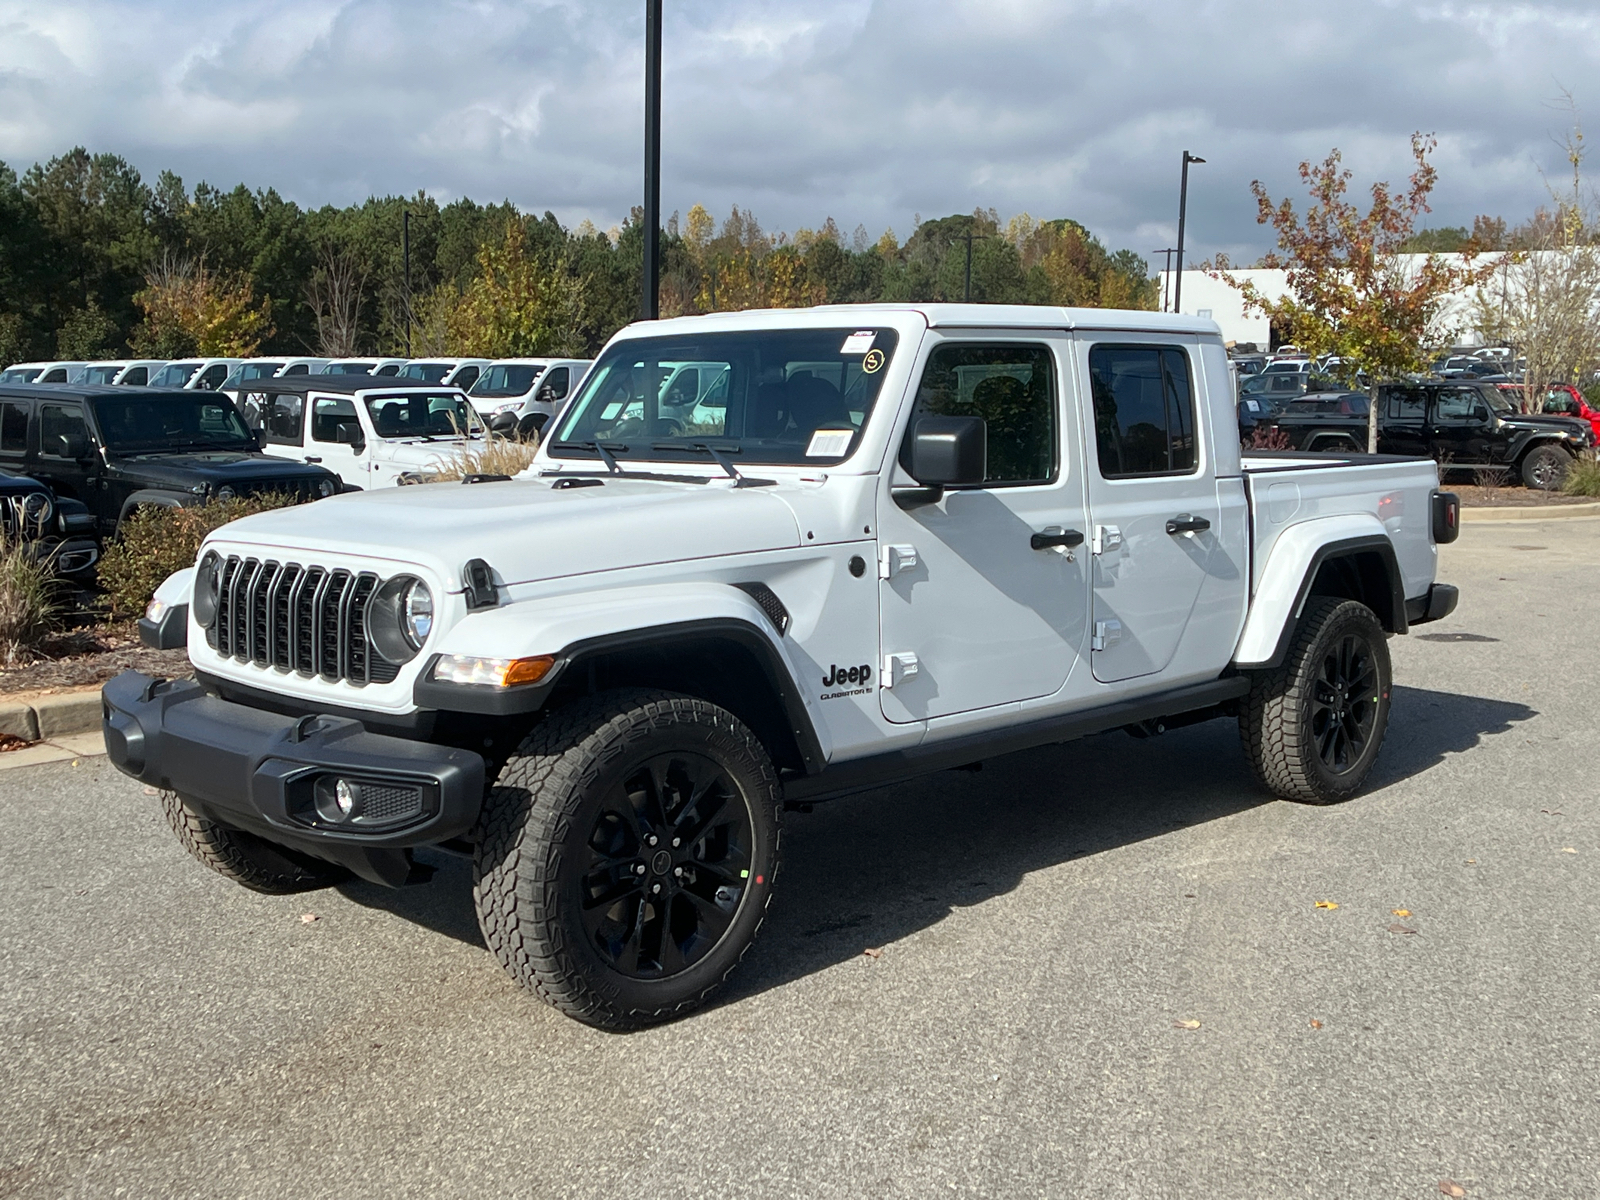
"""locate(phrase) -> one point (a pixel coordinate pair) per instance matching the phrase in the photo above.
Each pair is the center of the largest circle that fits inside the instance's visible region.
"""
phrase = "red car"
(1564, 400)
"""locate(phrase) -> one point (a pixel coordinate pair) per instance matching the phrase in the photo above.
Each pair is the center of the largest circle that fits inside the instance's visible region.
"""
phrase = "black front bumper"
(277, 775)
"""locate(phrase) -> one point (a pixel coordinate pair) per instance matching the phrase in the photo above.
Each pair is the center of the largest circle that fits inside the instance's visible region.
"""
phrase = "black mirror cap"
(503, 423)
(949, 451)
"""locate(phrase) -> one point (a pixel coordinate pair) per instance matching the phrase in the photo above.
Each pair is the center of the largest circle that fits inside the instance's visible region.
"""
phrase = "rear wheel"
(1545, 468)
(626, 854)
(249, 861)
(1312, 727)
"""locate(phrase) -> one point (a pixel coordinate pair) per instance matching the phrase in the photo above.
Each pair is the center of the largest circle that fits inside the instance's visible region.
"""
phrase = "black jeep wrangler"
(61, 530)
(115, 449)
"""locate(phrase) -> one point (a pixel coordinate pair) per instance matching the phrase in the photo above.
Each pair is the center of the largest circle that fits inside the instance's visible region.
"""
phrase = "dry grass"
(493, 456)
(1584, 477)
(29, 601)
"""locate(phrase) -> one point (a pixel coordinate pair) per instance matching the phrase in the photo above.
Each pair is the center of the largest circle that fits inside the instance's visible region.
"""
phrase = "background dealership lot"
(1043, 924)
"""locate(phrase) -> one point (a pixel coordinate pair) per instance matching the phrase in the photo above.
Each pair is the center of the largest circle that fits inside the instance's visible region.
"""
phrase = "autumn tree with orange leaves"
(1351, 291)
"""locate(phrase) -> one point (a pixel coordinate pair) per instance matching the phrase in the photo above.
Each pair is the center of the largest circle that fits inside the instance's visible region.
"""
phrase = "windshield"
(430, 372)
(349, 368)
(506, 379)
(421, 414)
(100, 373)
(171, 423)
(244, 371)
(20, 374)
(771, 396)
(175, 375)
(1497, 402)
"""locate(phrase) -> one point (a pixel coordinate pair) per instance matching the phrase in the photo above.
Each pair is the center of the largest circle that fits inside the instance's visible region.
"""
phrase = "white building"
(1204, 295)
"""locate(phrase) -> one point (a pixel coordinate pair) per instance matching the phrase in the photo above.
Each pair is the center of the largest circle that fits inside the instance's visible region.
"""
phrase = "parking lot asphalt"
(1049, 929)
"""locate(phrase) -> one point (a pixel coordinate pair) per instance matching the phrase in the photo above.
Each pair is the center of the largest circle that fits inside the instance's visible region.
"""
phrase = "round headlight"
(226, 493)
(325, 488)
(207, 589)
(416, 614)
(37, 506)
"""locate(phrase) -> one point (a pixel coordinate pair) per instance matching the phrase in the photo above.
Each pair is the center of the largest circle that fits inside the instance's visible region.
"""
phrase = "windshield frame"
(474, 424)
(247, 443)
(865, 355)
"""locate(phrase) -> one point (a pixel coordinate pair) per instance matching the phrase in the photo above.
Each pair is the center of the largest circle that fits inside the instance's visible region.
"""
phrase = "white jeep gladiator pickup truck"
(905, 539)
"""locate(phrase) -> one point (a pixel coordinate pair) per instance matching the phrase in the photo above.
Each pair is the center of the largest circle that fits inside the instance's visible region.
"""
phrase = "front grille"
(298, 618)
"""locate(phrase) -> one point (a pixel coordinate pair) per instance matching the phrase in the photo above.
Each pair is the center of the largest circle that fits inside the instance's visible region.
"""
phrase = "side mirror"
(73, 445)
(350, 435)
(503, 424)
(546, 395)
(949, 451)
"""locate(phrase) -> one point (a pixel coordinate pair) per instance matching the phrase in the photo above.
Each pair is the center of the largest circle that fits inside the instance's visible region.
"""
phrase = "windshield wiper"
(719, 456)
(601, 449)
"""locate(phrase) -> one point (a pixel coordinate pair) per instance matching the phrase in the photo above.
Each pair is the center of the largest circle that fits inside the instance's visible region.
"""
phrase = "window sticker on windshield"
(858, 342)
(873, 362)
(829, 443)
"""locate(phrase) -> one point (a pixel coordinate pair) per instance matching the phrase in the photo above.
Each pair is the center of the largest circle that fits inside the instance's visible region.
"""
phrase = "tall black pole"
(405, 258)
(1183, 210)
(650, 309)
(966, 293)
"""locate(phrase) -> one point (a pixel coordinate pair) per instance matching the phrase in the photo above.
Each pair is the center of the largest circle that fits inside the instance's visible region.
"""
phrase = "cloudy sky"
(867, 110)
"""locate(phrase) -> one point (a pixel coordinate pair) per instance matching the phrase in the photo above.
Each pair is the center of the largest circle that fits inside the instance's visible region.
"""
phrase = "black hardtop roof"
(93, 391)
(345, 385)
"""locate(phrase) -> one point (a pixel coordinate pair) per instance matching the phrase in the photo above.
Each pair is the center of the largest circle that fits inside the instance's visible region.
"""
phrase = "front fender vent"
(769, 603)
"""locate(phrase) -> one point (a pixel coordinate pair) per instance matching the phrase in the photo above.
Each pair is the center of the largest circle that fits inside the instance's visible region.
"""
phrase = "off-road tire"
(532, 841)
(250, 861)
(1276, 720)
(1545, 468)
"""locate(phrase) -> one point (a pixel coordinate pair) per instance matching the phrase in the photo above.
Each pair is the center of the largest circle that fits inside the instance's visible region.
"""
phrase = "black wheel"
(626, 856)
(250, 861)
(1545, 468)
(1313, 726)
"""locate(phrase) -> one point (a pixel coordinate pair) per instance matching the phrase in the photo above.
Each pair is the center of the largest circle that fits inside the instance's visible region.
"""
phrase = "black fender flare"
(155, 498)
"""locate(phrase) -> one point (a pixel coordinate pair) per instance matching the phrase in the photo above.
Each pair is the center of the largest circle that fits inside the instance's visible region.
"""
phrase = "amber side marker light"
(492, 672)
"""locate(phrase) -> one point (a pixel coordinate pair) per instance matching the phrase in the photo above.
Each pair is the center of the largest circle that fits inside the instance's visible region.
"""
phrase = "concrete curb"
(58, 714)
(1530, 512)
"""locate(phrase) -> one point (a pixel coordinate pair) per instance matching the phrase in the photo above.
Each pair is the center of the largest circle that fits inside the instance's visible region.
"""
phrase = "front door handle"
(313, 458)
(1184, 523)
(1056, 537)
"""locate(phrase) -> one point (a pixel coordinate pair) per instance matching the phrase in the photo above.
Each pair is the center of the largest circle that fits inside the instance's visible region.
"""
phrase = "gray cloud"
(866, 110)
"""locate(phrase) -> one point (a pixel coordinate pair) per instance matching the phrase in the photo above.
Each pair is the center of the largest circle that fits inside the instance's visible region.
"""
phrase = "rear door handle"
(1184, 523)
(1056, 537)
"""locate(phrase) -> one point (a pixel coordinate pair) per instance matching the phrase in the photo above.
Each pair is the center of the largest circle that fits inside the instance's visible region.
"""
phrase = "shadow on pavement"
(874, 868)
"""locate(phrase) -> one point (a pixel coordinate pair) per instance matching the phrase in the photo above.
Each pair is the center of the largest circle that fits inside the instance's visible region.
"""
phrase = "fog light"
(492, 672)
(154, 611)
(344, 796)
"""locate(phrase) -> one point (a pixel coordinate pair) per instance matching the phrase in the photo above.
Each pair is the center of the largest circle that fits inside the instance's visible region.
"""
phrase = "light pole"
(966, 291)
(1183, 208)
(650, 307)
(1166, 276)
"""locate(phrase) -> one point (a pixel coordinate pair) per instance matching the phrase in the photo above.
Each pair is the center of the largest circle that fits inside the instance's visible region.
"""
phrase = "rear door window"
(13, 428)
(285, 424)
(1143, 411)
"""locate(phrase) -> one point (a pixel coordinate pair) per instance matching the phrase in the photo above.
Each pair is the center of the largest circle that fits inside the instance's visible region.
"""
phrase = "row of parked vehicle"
(530, 388)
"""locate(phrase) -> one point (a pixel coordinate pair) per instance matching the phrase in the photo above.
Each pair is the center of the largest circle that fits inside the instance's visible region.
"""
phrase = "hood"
(1539, 421)
(528, 530)
(417, 452)
(211, 466)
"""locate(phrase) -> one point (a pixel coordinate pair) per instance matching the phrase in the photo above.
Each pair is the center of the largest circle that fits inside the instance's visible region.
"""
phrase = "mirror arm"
(915, 497)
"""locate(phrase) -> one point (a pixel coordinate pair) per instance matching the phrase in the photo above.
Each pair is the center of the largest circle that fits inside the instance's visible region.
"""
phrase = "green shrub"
(29, 600)
(1591, 393)
(155, 542)
(1584, 477)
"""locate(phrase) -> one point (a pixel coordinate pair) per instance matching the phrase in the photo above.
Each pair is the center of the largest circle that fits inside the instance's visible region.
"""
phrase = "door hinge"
(1106, 635)
(897, 668)
(1106, 537)
(894, 559)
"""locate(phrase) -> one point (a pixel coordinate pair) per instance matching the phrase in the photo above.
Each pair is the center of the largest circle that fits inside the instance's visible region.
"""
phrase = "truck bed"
(1287, 488)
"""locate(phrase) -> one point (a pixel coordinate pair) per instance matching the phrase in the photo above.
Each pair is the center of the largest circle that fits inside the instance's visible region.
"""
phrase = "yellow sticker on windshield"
(872, 362)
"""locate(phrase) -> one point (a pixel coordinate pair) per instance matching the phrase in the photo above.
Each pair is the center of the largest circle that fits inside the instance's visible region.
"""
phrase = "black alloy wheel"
(1344, 703)
(670, 859)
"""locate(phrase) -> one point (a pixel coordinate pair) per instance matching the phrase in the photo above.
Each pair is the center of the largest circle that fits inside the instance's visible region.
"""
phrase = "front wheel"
(626, 855)
(1545, 468)
(1312, 726)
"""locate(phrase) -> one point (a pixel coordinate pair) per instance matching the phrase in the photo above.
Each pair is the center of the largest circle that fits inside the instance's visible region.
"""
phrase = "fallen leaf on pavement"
(150, 791)
(1569, 849)
(1451, 1188)
(1472, 862)
(307, 918)
(873, 952)
(1316, 1024)
(1186, 1024)
(1399, 928)
(1326, 904)
(1401, 912)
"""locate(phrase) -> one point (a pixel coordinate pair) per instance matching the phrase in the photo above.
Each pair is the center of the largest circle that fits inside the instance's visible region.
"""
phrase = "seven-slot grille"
(307, 619)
